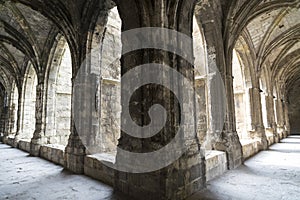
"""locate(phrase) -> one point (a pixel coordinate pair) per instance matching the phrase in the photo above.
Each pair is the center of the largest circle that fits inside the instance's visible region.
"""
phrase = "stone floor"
(272, 174)
(23, 177)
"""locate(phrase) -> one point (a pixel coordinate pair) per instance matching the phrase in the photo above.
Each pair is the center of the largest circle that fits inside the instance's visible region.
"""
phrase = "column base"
(74, 155)
(233, 148)
(260, 134)
(15, 142)
(280, 132)
(74, 163)
(35, 145)
(177, 181)
(35, 149)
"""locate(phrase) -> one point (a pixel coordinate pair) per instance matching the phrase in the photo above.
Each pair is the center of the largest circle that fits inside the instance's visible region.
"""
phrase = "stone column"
(258, 130)
(280, 119)
(9, 119)
(185, 175)
(221, 94)
(39, 133)
(9, 130)
(271, 122)
(81, 121)
(19, 115)
(5, 120)
(287, 121)
(201, 91)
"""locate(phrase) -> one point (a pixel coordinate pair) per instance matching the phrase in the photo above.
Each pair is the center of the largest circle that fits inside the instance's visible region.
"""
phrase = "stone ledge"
(94, 167)
(54, 153)
(111, 81)
(24, 145)
(250, 147)
(10, 141)
(216, 164)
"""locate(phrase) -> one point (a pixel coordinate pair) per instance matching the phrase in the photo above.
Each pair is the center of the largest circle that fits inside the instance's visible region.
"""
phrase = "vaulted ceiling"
(272, 28)
(28, 29)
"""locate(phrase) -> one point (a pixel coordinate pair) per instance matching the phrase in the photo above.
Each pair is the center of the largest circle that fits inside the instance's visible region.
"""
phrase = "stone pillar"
(287, 121)
(258, 130)
(19, 114)
(230, 137)
(216, 113)
(8, 119)
(271, 122)
(185, 175)
(81, 121)
(280, 119)
(74, 153)
(227, 138)
(5, 122)
(39, 134)
(201, 91)
(10, 123)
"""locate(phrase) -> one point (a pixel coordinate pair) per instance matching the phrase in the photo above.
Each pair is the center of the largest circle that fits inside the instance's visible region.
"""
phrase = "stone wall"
(53, 153)
(94, 167)
(216, 164)
(294, 109)
(24, 145)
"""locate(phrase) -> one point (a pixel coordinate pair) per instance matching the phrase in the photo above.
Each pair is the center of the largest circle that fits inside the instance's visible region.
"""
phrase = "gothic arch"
(28, 104)
(58, 89)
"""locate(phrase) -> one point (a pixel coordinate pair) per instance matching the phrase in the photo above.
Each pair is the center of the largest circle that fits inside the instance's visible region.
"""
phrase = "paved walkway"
(272, 174)
(23, 177)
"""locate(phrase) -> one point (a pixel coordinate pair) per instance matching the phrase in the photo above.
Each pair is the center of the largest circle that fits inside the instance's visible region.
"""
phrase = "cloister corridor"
(150, 99)
(271, 174)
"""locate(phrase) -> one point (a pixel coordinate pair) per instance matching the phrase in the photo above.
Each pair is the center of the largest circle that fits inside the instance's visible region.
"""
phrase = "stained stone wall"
(57, 45)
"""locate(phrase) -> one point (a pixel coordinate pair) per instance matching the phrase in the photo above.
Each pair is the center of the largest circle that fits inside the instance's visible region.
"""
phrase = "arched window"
(28, 107)
(239, 97)
(59, 93)
(13, 110)
(201, 88)
(109, 92)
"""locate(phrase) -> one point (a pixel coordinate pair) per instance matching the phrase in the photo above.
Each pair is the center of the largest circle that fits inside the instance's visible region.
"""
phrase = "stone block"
(94, 167)
(250, 148)
(216, 164)
(24, 145)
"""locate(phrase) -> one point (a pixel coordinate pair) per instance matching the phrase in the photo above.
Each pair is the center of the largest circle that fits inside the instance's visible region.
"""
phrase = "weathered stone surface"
(244, 75)
(215, 163)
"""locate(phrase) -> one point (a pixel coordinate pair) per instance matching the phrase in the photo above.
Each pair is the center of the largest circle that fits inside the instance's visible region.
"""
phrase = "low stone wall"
(24, 145)
(216, 164)
(250, 148)
(94, 167)
(9, 141)
(53, 153)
